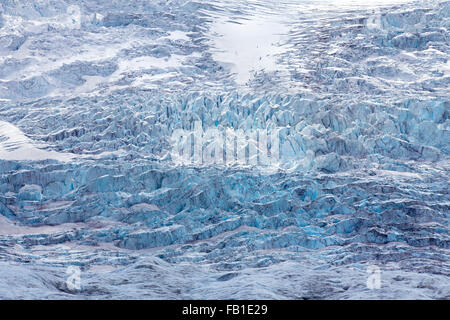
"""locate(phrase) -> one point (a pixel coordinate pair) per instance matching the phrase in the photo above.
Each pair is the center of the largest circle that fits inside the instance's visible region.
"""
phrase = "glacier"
(92, 92)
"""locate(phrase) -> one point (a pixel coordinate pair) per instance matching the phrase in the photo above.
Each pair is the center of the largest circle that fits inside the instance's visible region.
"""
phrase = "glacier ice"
(93, 91)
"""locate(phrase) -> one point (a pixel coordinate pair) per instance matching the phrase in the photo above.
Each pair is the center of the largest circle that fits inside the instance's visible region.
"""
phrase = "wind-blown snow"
(92, 91)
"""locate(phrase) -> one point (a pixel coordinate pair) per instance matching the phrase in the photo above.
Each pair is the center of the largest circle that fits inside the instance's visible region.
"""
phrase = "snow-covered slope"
(93, 92)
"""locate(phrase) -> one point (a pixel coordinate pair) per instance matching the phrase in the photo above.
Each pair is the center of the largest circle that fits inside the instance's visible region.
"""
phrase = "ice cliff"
(92, 91)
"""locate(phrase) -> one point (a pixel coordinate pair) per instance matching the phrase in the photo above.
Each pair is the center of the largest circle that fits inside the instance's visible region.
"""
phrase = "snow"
(16, 146)
(339, 162)
(248, 45)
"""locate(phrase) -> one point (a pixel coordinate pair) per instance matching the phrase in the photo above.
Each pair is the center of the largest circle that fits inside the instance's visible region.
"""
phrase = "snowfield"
(356, 93)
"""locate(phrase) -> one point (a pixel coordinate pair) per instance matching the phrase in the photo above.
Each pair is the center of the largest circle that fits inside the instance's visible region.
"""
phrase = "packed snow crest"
(224, 149)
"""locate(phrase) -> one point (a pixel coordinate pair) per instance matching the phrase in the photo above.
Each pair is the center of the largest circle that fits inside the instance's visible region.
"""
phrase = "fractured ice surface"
(15, 145)
(90, 100)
